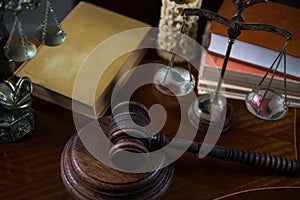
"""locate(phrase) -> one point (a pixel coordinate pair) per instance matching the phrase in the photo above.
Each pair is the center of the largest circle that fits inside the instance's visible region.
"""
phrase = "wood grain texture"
(85, 177)
(30, 169)
(285, 17)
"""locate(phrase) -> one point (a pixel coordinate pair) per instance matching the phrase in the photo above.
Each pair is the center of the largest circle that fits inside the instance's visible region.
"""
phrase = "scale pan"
(174, 81)
(54, 36)
(19, 52)
(272, 107)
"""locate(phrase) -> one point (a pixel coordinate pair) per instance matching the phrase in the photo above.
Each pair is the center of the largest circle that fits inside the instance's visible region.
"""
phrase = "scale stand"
(16, 114)
(212, 109)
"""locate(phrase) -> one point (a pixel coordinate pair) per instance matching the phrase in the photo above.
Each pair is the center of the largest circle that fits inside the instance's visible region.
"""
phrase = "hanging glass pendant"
(271, 107)
(174, 81)
(50, 34)
(20, 50)
(265, 103)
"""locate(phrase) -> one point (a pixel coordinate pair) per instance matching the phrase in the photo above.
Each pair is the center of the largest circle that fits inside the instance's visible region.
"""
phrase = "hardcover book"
(259, 48)
(53, 70)
(240, 78)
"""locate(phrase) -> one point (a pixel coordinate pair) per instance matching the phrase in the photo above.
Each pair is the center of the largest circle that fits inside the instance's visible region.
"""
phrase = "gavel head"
(130, 132)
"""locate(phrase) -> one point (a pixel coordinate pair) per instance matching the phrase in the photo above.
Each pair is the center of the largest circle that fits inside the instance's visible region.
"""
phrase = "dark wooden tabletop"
(30, 168)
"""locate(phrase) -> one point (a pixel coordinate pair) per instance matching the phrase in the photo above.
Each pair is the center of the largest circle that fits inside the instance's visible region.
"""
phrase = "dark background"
(147, 11)
(150, 12)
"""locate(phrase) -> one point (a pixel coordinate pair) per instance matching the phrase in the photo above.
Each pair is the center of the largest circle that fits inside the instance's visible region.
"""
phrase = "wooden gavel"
(132, 137)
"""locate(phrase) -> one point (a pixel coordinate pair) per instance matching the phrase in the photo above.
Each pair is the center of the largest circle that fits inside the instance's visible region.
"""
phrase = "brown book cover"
(259, 48)
(240, 78)
(53, 70)
(268, 13)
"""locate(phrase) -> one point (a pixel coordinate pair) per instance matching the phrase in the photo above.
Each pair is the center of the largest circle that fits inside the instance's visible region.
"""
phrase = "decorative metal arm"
(231, 23)
(253, 2)
(16, 115)
(236, 24)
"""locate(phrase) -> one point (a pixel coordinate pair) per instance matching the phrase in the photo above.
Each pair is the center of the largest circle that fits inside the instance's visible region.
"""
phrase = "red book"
(260, 48)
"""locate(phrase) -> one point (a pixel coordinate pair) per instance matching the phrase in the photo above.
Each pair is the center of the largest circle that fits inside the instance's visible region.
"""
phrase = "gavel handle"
(270, 162)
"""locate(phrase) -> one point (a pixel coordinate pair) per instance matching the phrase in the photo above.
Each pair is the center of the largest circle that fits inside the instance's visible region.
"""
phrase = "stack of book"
(253, 52)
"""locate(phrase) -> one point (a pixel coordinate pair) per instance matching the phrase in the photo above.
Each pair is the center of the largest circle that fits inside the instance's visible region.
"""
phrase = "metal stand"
(16, 114)
(207, 106)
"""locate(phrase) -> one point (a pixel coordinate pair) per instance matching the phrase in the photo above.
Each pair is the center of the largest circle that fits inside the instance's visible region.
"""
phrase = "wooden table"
(30, 168)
